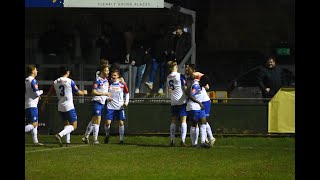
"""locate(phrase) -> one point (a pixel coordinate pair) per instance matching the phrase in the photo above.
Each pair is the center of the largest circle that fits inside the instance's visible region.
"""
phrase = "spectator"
(79, 45)
(111, 44)
(270, 78)
(140, 55)
(104, 41)
(129, 36)
(52, 44)
(180, 44)
(159, 55)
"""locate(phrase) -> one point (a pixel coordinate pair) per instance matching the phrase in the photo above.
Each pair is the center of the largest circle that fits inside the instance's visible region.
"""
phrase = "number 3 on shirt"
(61, 87)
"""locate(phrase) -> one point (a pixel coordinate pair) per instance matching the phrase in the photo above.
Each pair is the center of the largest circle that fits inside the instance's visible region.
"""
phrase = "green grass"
(143, 157)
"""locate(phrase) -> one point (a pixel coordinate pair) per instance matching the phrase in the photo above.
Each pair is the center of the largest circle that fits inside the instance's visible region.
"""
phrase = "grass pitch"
(150, 157)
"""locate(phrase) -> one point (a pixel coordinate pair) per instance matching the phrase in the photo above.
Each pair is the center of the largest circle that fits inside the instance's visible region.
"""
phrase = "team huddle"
(110, 95)
(189, 99)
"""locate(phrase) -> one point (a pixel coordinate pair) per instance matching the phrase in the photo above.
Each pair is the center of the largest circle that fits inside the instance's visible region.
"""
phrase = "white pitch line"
(51, 149)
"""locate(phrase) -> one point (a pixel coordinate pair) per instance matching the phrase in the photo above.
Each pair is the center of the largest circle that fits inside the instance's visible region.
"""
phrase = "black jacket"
(181, 45)
(161, 45)
(270, 78)
(112, 47)
(140, 55)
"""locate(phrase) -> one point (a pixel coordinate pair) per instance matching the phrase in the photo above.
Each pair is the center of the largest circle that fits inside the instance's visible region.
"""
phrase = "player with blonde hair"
(31, 100)
(100, 94)
(176, 88)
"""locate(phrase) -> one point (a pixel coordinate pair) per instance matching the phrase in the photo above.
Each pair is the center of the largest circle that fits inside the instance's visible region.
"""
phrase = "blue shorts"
(97, 108)
(179, 110)
(195, 115)
(31, 115)
(70, 116)
(207, 107)
(115, 114)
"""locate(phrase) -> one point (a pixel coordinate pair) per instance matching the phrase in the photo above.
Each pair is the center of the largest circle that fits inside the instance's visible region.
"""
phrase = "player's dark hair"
(30, 68)
(104, 61)
(204, 80)
(115, 71)
(102, 66)
(115, 66)
(192, 66)
(63, 70)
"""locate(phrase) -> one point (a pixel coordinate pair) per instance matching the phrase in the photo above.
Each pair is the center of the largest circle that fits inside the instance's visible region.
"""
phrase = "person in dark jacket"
(270, 78)
(159, 55)
(111, 43)
(181, 43)
(140, 55)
